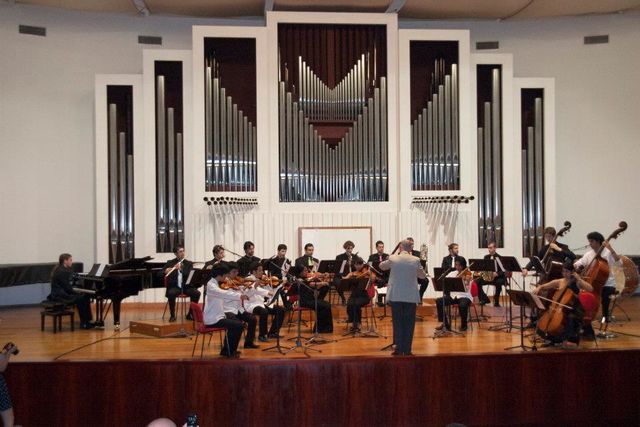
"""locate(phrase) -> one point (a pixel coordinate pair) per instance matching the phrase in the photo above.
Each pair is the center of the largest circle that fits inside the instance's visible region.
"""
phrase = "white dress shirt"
(216, 299)
(256, 295)
(606, 254)
(460, 294)
(403, 278)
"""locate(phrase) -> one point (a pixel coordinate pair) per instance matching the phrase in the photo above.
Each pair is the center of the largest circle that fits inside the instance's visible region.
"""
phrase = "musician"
(596, 242)
(423, 283)
(463, 299)
(558, 252)
(279, 262)
(374, 260)
(308, 259)
(449, 262)
(324, 322)
(573, 318)
(238, 310)
(218, 257)
(257, 295)
(176, 272)
(6, 407)
(498, 278)
(359, 296)
(403, 295)
(344, 265)
(248, 259)
(62, 280)
(214, 312)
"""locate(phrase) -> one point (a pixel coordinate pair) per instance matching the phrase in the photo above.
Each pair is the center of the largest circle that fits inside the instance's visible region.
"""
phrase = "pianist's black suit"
(62, 292)
(174, 288)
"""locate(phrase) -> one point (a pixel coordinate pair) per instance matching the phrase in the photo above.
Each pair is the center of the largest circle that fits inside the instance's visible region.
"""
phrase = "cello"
(597, 272)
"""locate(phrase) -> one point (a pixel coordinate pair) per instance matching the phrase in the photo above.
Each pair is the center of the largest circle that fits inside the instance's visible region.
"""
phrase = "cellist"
(597, 242)
(570, 335)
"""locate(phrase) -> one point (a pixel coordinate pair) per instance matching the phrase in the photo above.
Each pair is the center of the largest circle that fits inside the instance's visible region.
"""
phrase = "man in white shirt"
(256, 304)
(403, 295)
(214, 314)
(235, 309)
(463, 299)
(597, 243)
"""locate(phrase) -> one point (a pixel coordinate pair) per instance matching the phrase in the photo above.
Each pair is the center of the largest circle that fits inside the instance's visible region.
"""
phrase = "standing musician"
(214, 312)
(307, 259)
(260, 291)
(176, 272)
(279, 262)
(573, 317)
(558, 252)
(235, 309)
(6, 407)
(374, 260)
(423, 283)
(62, 292)
(358, 297)
(218, 257)
(344, 265)
(596, 242)
(463, 299)
(307, 299)
(498, 278)
(248, 259)
(449, 262)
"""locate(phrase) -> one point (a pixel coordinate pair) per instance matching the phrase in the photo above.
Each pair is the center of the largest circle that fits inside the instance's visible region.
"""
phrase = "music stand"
(446, 285)
(524, 299)
(507, 264)
(327, 266)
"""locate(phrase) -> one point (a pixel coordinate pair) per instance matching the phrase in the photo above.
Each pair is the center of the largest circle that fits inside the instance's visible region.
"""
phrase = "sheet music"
(190, 277)
(276, 294)
(499, 264)
(344, 263)
(100, 270)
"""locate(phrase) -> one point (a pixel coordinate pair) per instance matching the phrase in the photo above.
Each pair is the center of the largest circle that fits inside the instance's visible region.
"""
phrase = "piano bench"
(57, 318)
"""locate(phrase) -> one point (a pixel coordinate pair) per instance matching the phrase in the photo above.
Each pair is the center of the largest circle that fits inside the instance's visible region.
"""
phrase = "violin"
(265, 280)
(364, 273)
(237, 284)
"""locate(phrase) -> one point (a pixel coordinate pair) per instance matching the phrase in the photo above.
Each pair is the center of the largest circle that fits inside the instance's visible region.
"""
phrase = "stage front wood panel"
(552, 388)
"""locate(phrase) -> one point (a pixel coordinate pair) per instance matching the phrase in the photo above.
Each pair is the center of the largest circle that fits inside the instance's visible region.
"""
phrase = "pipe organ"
(532, 170)
(489, 139)
(230, 117)
(332, 113)
(120, 152)
(435, 116)
(169, 156)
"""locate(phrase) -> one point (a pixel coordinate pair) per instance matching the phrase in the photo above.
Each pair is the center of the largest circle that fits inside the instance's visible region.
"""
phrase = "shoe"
(274, 336)
(263, 338)
(234, 355)
(379, 304)
(441, 327)
(395, 353)
(408, 354)
(496, 304)
(172, 319)
(87, 325)
(484, 301)
(251, 345)
(189, 317)
(463, 328)
(530, 325)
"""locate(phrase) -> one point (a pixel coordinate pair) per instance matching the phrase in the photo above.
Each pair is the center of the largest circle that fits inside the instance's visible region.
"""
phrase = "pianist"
(176, 273)
(62, 290)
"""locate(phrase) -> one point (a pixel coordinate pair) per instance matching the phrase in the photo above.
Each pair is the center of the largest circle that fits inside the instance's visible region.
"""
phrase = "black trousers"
(324, 320)
(336, 283)
(172, 294)
(424, 284)
(607, 291)
(251, 322)
(234, 332)
(463, 307)
(263, 314)
(404, 322)
(357, 300)
(498, 282)
(82, 302)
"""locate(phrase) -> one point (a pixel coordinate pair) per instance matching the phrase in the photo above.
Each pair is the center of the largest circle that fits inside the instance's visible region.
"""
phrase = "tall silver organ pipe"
(230, 138)
(435, 142)
(489, 138)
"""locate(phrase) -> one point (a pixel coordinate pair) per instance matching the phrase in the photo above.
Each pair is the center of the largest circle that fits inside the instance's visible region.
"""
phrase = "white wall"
(46, 121)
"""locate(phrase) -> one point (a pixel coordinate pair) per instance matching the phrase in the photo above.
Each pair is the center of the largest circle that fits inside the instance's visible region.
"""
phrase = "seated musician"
(248, 259)
(558, 252)
(423, 283)
(374, 260)
(570, 335)
(308, 259)
(235, 309)
(463, 299)
(176, 272)
(324, 318)
(597, 242)
(258, 293)
(344, 265)
(449, 262)
(62, 292)
(359, 297)
(279, 262)
(214, 313)
(496, 278)
(218, 257)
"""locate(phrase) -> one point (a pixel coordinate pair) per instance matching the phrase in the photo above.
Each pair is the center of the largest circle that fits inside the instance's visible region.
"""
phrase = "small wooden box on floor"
(159, 328)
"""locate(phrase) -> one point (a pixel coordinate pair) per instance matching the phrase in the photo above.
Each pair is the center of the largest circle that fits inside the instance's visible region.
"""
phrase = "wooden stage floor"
(22, 326)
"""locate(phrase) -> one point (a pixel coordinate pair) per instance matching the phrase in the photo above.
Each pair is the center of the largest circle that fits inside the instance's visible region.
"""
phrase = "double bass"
(553, 269)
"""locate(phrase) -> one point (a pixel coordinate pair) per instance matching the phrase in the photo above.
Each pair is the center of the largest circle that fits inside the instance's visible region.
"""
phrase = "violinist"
(374, 260)
(248, 259)
(307, 298)
(344, 265)
(176, 272)
(463, 299)
(496, 278)
(235, 309)
(449, 262)
(559, 252)
(597, 243)
(218, 257)
(359, 296)
(570, 335)
(279, 262)
(307, 259)
(258, 293)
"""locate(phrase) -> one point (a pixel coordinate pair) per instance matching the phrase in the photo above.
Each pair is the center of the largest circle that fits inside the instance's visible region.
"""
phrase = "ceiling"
(407, 9)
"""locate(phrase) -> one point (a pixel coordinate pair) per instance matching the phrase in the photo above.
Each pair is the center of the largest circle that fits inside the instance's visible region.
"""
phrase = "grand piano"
(109, 284)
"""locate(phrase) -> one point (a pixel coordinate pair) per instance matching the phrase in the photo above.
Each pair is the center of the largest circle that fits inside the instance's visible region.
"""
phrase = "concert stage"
(129, 379)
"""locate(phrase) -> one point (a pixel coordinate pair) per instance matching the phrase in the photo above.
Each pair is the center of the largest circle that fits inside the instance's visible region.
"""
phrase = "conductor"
(403, 295)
